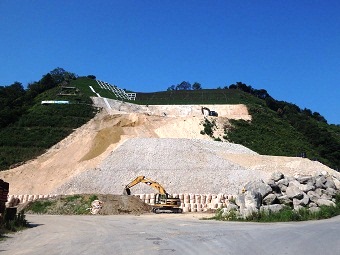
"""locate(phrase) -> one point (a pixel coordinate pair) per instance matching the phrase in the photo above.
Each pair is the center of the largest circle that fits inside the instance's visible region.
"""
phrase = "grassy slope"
(42, 127)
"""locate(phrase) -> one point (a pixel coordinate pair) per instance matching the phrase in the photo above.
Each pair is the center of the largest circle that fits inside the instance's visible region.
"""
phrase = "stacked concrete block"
(21, 199)
(191, 202)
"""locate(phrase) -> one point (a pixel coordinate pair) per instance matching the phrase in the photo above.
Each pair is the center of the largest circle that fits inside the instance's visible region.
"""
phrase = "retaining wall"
(189, 202)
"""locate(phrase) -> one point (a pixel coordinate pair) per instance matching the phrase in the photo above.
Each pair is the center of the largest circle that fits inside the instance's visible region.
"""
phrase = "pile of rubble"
(279, 191)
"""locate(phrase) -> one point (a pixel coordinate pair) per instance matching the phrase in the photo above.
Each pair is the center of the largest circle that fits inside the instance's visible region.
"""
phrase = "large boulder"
(326, 196)
(336, 183)
(304, 179)
(285, 200)
(320, 182)
(319, 191)
(306, 187)
(283, 184)
(313, 196)
(269, 199)
(239, 200)
(258, 186)
(249, 202)
(303, 202)
(330, 183)
(303, 187)
(276, 176)
(271, 208)
(326, 202)
(293, 191)
(330, 191)
(274, 186)
(252, 199)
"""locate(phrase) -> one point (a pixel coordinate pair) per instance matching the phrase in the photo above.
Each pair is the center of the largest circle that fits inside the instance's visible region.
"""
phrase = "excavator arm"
(149, 182)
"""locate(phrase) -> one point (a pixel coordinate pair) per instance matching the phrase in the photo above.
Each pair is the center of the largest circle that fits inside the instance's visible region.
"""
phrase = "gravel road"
(170, 234)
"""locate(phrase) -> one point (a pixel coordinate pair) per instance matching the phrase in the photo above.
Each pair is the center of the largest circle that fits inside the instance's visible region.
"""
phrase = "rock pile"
(279, 191)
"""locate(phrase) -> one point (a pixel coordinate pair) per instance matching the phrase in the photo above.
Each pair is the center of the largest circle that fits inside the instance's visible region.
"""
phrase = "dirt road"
(170, 234)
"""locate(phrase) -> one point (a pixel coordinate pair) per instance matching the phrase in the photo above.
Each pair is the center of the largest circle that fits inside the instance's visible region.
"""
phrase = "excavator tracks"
(166, 210)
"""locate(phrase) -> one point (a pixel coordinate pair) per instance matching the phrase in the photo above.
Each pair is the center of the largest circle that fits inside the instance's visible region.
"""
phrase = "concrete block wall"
(189, 202)
(14, 200)
(193, 202)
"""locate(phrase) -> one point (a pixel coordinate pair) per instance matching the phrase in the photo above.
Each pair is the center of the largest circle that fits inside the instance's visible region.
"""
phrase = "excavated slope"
(181, 165)
(112, 149)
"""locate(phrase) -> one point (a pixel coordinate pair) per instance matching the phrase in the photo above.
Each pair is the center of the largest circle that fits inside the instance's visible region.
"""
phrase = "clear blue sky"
(290, 48)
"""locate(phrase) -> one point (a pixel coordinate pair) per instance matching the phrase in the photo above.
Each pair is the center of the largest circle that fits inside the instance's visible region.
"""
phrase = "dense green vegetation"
(281, 128)
(71, 204)
(202, 96)
(28, 128)
(17, 223)
(287, 214)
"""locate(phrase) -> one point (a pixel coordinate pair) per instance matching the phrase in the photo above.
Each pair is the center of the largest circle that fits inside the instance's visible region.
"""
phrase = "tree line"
(185, 85)
(15, 100)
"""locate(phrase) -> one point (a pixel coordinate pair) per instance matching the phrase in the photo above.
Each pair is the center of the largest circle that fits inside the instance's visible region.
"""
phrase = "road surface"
(170, 234)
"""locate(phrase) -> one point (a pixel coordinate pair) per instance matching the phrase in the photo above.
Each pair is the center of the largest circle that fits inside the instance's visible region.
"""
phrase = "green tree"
(172, 87)
(59, 75)
(184, 85)
(11, 102)
(196, 86)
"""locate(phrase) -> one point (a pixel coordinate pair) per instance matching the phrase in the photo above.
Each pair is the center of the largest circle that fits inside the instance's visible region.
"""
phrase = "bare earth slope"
(113, 148)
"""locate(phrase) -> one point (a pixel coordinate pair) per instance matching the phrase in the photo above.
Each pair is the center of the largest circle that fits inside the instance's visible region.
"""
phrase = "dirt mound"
(119, 204)
(81, 204)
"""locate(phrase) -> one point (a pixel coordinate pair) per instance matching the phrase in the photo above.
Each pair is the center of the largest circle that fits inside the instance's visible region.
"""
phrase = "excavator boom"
(149, 182)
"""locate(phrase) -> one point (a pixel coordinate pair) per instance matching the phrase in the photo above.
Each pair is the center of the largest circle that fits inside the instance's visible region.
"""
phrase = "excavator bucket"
(126, 192)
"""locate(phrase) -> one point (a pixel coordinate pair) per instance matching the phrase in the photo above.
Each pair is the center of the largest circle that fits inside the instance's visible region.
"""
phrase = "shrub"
(18, 223)
(208, 127)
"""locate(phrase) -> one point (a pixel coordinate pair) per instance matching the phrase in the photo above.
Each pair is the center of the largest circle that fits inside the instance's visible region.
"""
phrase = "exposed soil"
(102, 157)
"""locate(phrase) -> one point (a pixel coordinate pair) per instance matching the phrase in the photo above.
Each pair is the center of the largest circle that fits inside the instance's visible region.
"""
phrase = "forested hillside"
(281, 128)
(28, 128)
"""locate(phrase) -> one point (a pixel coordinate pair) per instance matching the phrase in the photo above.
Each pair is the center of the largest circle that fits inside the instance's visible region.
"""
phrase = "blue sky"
(290, 48)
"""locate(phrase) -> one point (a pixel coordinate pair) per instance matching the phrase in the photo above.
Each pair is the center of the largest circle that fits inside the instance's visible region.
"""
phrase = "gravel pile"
(179, 165)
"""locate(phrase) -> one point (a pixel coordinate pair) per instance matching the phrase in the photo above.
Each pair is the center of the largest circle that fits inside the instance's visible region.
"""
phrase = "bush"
(18, 223)
(208, 127)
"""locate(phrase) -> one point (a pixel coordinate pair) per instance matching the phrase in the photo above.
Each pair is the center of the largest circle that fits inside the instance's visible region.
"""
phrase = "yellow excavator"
(163, 202)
